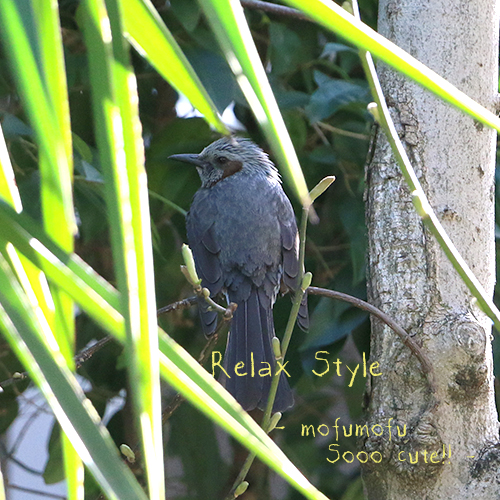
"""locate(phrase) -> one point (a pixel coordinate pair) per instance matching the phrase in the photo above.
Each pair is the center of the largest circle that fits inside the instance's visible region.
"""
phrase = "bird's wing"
(289, 242)
(290, 251)
(205, 247)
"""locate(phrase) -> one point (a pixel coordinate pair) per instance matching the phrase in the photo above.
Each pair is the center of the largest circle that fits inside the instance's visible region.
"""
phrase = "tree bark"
(410, 277)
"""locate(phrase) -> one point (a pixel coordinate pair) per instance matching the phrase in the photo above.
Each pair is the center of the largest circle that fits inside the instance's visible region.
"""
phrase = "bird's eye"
(221, 160)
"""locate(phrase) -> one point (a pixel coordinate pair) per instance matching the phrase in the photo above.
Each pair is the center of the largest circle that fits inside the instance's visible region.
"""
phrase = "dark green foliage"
(192, 435)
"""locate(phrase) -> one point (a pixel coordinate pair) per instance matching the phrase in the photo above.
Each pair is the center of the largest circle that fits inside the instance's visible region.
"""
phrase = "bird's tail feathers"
(249, 342)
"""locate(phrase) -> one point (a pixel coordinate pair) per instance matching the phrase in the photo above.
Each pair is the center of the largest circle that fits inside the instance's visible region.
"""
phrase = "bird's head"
(229, 156)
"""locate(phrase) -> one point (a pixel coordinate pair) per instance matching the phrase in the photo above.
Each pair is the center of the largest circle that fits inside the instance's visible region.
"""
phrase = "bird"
(242, 231)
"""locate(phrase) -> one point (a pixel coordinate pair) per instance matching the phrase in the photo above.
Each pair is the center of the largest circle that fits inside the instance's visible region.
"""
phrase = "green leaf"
(152, 39)
(287, 50)
(82, 148)
(338, 20)
(33, 342)
(9, 411)
(216, 76)
(296, 124)
(334, 320)
(289, 99)
(352, 216)
(188, 12)
(14, 127)
(332, 95)
(354, 491)
(121, 151)
(332, 49)
(53, 471)
(190, 432)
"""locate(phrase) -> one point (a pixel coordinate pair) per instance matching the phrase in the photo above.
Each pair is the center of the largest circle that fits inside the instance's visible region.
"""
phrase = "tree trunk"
(410, 277)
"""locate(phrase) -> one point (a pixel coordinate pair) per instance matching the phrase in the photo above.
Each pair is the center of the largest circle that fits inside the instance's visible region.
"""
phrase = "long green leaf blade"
(230, 26)
(58, 226)
(36, 281)
(121, 154)
(38, 107)
(336, 19)
(46, 17)
(28, 334)
(69, 272)
(143, 340)
(55, 186)
(9, 194)
(152, 39)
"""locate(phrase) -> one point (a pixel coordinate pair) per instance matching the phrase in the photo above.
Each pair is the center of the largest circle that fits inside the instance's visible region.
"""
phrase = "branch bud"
(306, 281)
(127, 453)
(373, 110)
(274, 421)
(276, 347)
(321, 187)
(348, 7)
(242, 487)
(190, 273)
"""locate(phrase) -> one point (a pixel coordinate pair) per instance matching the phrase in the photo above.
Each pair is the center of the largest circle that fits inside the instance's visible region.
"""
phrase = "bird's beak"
(188, 158)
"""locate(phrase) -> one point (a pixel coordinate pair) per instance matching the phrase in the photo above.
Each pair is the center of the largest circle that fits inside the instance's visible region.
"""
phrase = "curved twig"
(181, 304)
(86, 353)
(403, 335)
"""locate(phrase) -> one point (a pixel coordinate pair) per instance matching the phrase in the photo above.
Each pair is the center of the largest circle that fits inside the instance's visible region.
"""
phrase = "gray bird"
(242, 231)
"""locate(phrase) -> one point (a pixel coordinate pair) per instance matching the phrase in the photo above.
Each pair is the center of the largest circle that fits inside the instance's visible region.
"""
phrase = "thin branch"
(17, 377)
(22, 433)
(403, 335)
(321, 135)
(167, 202)
(83, 356)
(340, 131)
(88, 352)
(180, 305)
(211, 302)
(178, 399)
(9, 455)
